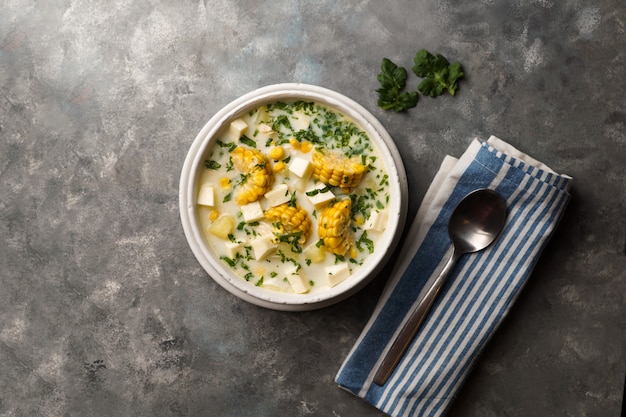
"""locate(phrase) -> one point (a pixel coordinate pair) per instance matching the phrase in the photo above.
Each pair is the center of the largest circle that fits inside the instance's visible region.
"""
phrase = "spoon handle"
(426, 300)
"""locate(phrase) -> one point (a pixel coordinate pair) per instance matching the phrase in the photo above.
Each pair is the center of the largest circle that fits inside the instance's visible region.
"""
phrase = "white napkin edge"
(506, 148)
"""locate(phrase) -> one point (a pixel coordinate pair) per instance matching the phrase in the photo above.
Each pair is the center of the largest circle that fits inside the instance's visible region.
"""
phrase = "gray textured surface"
(105, 312)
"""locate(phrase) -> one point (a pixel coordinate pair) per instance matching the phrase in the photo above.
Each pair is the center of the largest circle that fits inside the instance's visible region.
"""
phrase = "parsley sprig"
(439, 76)
(392, 81)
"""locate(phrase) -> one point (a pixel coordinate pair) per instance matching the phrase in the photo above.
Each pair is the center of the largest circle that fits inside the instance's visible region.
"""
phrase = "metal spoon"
(475, 223)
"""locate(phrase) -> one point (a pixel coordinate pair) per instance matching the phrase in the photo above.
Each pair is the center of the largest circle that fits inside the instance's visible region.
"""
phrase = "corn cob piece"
(334, 227)
(289, 220)
(337, 170)
(259, 174)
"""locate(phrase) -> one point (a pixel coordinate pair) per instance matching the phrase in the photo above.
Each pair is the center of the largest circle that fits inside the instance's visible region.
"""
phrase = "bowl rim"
(265, 297)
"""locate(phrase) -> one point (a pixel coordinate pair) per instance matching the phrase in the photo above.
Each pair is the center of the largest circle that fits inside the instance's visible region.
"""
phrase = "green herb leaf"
(439, 76)
(292, 239)
(229, 261)
(228, 145)
(211, 164)
(317, 191)
(392, 81)
(246, 140)
(292, 200)
(365, 241)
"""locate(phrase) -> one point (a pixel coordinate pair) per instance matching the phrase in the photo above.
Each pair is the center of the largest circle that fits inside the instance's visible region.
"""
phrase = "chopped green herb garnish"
(247, 141)
(292, 239)
(364, 240)
(211, 164)
(292, 200)
(281, 120)
(229, 261)
(242, 179)
(228, 145)
(317, 191)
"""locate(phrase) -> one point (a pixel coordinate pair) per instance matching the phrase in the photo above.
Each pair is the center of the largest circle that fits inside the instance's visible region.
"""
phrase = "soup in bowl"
(293, 197)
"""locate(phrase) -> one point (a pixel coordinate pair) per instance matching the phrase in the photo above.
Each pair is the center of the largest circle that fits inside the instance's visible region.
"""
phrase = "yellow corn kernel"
(277, 153)
(294, 143)
(337, 170)
(288, 219)
(334, 227)
(259, 174)
(225, 183)
(214, 215)
(359, 220)
(306, 146)
(279, 166)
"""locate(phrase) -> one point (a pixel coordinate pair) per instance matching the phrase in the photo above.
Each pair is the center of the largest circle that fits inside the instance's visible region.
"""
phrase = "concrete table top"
(104, 311)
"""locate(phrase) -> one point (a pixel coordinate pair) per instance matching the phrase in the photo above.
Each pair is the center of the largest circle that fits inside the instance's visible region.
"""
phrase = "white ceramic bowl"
(194, 164)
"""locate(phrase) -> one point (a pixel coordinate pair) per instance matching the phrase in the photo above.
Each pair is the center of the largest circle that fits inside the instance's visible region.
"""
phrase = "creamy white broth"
(254, 248)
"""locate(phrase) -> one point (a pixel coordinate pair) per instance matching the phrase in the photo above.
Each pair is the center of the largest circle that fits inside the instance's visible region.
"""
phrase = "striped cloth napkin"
(479, 292)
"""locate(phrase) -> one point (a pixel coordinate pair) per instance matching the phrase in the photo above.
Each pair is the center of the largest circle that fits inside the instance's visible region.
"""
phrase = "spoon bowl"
(477, 220)
(474, 224)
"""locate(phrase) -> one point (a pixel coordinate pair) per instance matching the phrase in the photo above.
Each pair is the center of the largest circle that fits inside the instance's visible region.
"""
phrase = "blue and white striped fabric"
(478, 294)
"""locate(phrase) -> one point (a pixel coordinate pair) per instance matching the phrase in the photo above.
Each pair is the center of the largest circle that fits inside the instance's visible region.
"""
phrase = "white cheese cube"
(377, 221)
(236, 128)
(262, 246)
(252, 211)
(320, 194)
(277, 196)
(232, 249)
(206, 196)
(337, 273)
(297, 282)
(301, 167)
